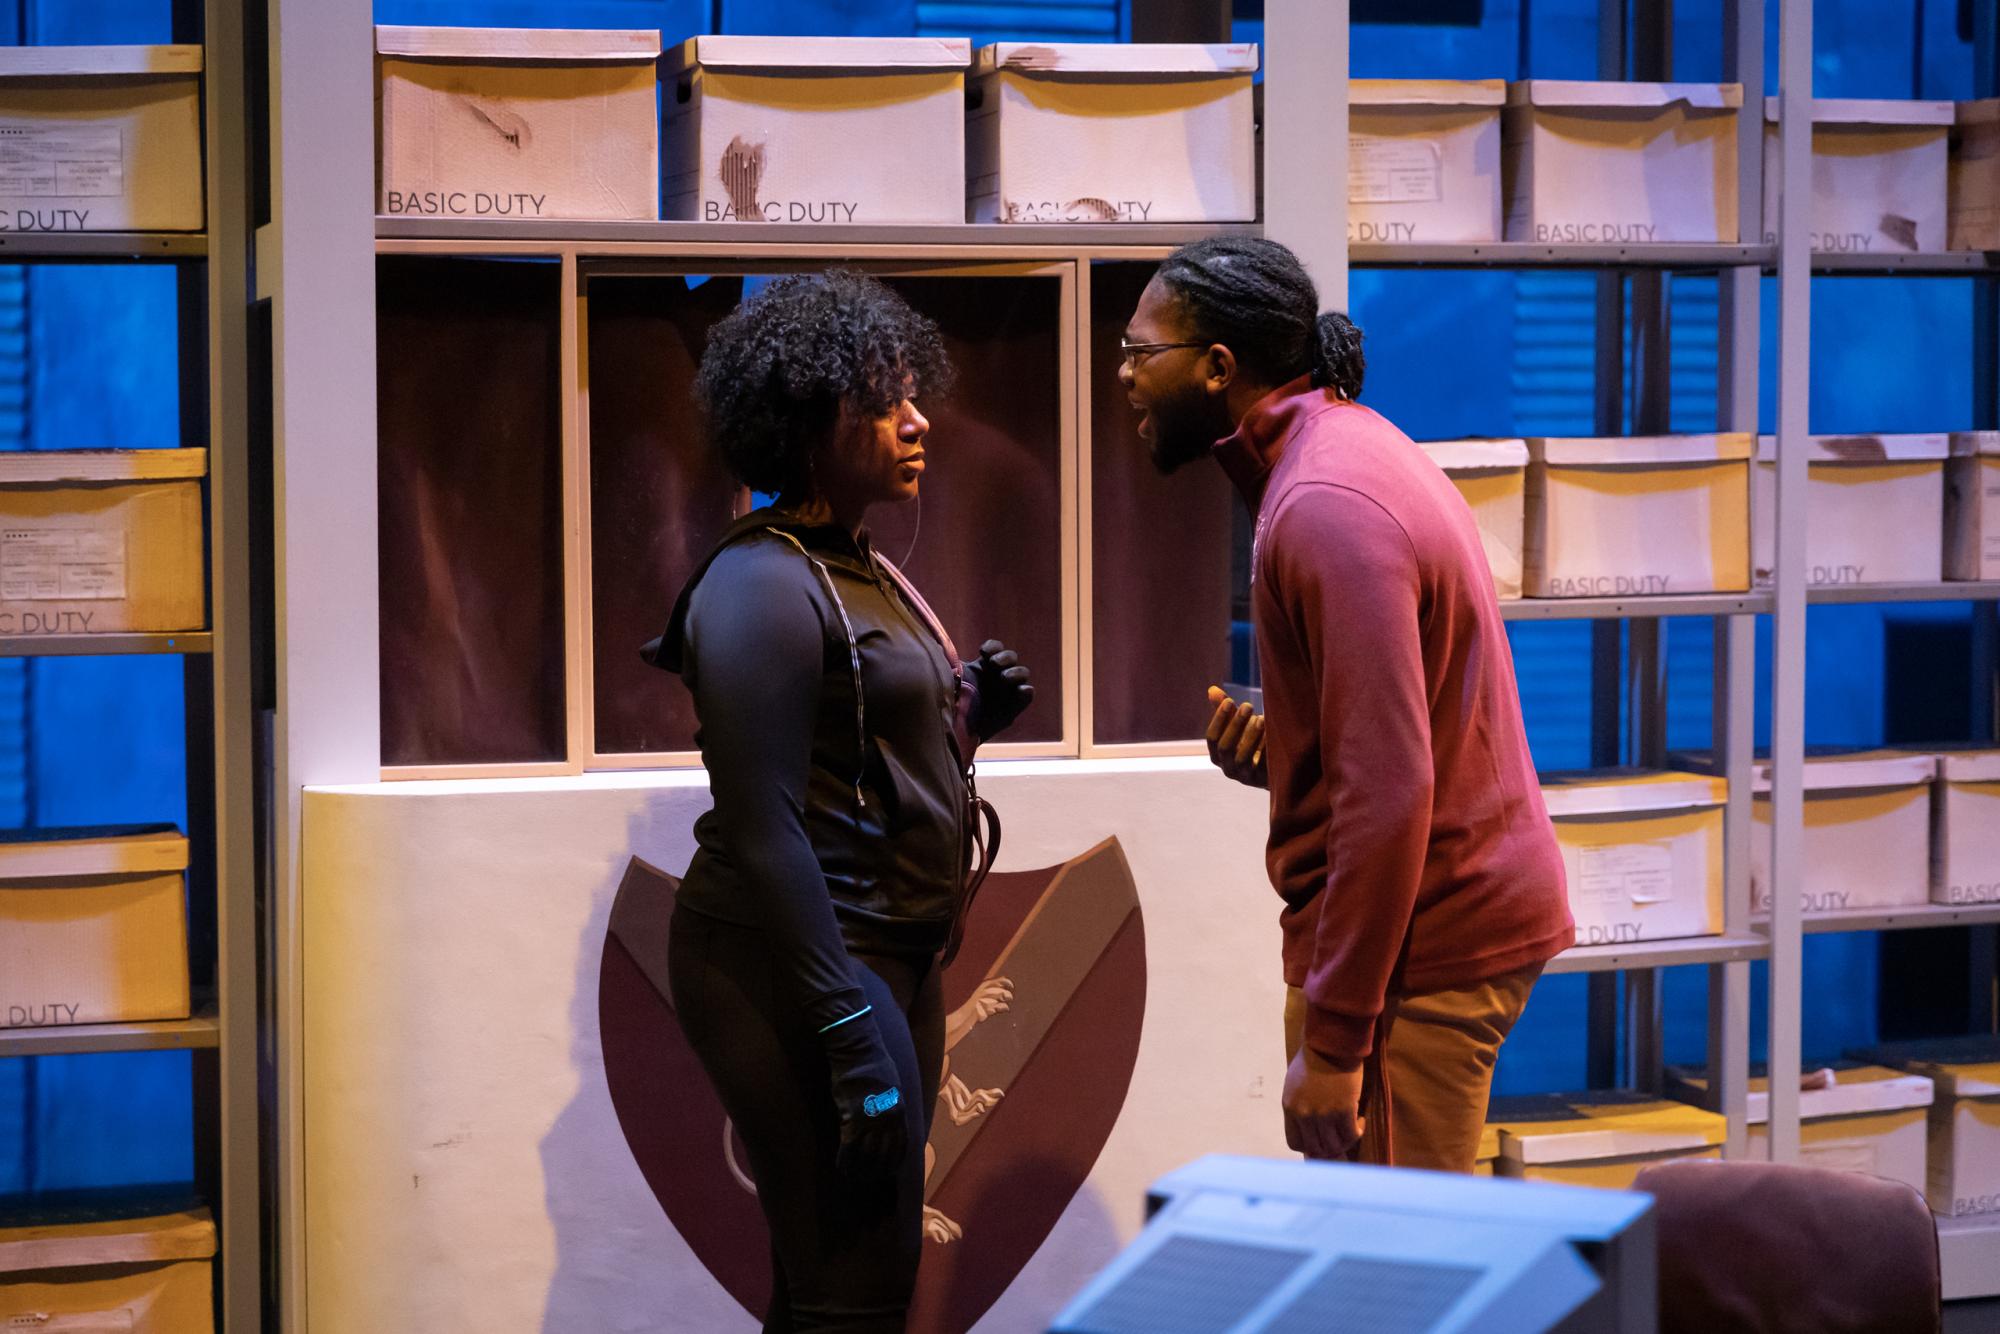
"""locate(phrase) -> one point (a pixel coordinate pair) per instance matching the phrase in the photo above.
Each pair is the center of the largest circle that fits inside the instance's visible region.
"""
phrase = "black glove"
(874, 1134)
(1001, 683)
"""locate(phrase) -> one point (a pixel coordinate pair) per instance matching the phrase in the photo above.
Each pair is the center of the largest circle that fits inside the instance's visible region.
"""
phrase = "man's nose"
(1125, 373)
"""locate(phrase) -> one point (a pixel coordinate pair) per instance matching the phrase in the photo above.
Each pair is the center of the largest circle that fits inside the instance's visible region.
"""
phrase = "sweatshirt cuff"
(1343, 1039)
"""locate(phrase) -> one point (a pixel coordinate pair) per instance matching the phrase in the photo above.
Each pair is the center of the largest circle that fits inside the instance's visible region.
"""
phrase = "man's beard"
(1185, 428)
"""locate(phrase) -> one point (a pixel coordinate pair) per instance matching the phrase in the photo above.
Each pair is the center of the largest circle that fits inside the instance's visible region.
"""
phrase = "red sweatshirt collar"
(1253, 451)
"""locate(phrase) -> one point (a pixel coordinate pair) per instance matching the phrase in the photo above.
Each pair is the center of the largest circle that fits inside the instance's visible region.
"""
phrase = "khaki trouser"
(1436, 1057)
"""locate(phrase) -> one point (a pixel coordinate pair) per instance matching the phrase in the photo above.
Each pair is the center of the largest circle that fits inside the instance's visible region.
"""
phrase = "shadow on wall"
(619, 1265)
(1045, 1002)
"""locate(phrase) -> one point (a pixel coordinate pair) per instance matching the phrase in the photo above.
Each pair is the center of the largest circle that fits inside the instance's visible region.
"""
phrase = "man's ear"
(1221, 369)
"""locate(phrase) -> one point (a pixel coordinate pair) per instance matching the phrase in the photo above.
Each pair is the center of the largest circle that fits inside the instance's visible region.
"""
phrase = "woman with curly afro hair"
(837, 725)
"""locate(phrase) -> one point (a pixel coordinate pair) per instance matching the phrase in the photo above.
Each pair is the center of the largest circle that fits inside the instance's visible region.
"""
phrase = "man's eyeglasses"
(1136, 352)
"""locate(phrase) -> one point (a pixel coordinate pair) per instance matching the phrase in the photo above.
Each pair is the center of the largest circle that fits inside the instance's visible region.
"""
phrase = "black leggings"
(843, 1258)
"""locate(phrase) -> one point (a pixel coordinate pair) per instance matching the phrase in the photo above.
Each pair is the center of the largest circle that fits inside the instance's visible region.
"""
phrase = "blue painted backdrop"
(87, 358)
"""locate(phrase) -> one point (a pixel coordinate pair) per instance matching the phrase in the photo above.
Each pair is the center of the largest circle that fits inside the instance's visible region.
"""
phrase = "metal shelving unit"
(213, 269)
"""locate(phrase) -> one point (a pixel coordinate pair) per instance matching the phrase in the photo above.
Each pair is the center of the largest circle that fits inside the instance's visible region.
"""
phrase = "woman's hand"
(1001, 685)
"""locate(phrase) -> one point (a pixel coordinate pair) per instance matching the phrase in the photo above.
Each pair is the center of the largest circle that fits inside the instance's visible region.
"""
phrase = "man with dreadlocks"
(1422, 885)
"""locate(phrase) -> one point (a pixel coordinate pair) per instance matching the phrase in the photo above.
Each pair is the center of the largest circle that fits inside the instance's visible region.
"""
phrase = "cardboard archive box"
(1964, 1121)
(1874, 509)
(1423, 160)
(93, 926)
(1090, 132)
(1602, 1138)
(1638, 516)
(1852, 1118)
(1965, 828)
(100, 138)
(1868, 831)
(1485, 1164)
(1878, 175)
(101, 541)
(1641, 850)
(1974, 204)
(816, 129)
(517, 123)
(1621, 163)
(1972, 506)
(78, 1271)
(1492, 475)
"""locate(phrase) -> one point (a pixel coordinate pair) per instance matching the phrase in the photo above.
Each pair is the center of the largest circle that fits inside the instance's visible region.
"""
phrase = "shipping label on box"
(1423, 161)
(1874, 509)
(1491, 475)
(1975, 177)
(1638, 517)
(1620, 163)
(1867, 835)
(788, 129)
(1965, 833)
(1086, 132)
(1878, 175)
(100, 139)
(517, 123)
(1972, 506)
(1641, 850)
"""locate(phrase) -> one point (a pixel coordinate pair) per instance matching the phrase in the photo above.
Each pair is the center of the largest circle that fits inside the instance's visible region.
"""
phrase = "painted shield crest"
(1043, 1008)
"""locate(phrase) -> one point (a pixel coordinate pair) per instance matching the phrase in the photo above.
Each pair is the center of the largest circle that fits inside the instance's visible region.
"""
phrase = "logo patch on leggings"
(1042, 1014)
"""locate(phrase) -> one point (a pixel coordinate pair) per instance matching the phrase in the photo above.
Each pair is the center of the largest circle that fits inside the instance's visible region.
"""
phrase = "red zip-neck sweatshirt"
(1405, 812)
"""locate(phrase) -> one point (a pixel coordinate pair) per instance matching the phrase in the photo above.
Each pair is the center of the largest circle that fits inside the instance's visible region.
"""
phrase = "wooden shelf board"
(69, 646)
(1946, 591)
(1949, 263)
(1598, 609)
(16, 246)
(476, 235)
(201, 1030)
(1659, 953)
(1901, 919)
(1536, 255)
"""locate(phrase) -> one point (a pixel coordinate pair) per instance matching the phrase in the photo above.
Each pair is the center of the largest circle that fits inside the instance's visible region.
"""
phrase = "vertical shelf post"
(1788, 658)
(319, 267)
(1305, 137)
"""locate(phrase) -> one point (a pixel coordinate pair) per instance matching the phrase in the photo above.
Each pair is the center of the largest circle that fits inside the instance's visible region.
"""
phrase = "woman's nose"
(915, 424)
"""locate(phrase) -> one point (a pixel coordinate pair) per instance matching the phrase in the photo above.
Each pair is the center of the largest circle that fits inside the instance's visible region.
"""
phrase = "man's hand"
(1236, 740)
(1322, 1106)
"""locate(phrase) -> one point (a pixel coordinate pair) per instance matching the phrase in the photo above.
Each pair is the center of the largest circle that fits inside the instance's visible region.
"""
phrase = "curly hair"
(780, 366)
(1255, 298)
